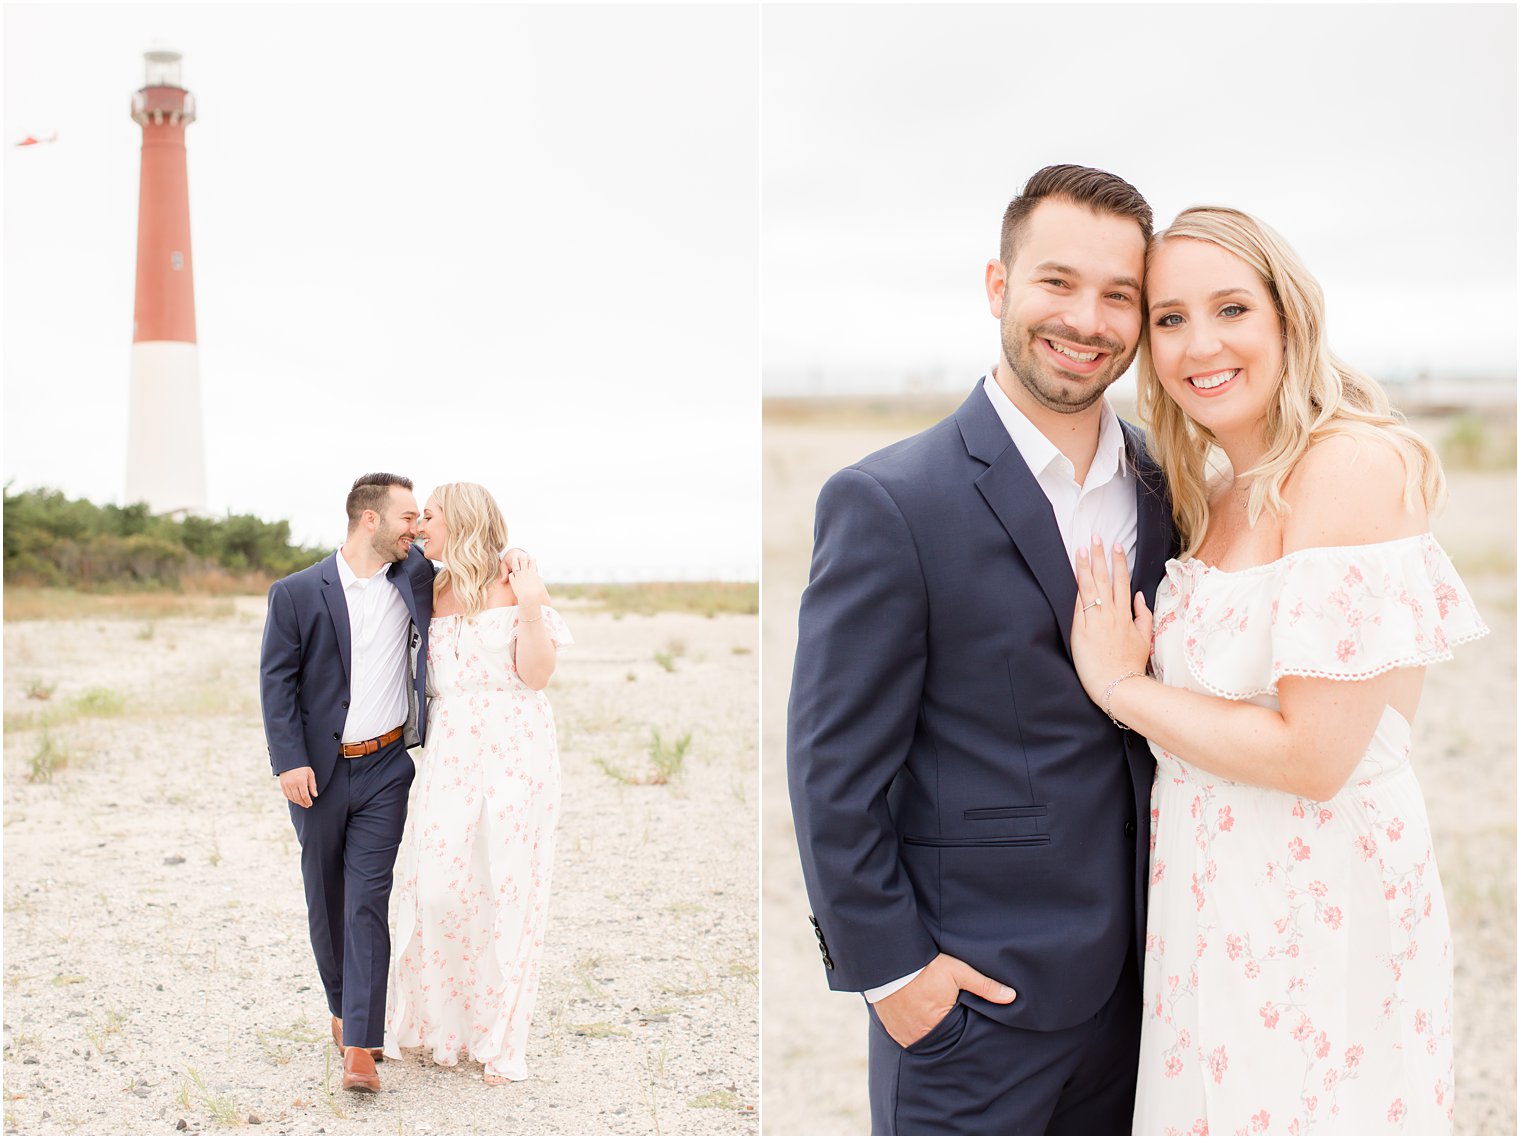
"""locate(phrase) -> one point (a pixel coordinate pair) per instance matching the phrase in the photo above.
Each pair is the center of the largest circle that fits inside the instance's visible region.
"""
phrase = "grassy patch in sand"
(212, 695)
(219, 1104)
(46, 760)
(904, 413)
(93, 703)
(709, 598)
(726, 1100)
(41, 603)
(666, 762)
(598, 1031)
(1472, 442)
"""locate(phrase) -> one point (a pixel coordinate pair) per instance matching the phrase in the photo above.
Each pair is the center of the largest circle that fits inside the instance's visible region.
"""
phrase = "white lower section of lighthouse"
(166, 454)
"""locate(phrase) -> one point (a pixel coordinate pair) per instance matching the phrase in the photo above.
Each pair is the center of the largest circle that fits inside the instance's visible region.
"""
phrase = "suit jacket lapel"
(1010, 489)
(337, 609)
(403, 583)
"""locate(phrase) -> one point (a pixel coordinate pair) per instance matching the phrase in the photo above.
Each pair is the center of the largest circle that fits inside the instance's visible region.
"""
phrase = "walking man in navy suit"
(974, 830)
(343, 675)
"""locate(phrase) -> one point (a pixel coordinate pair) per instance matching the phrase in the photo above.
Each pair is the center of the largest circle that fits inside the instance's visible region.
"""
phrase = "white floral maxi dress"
(1298, 972)
(479, 849)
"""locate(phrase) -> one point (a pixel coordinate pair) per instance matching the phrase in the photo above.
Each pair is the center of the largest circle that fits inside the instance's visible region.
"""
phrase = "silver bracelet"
(1108, 697)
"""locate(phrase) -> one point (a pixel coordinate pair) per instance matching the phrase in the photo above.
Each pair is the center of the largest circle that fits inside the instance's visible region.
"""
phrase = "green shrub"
(53, 540)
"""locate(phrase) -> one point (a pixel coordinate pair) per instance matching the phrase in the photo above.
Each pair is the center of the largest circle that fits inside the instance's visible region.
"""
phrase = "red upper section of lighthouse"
(163, 104)
(165, 305)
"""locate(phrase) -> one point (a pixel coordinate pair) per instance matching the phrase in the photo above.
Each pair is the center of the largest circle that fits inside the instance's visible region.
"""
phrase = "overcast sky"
(1378, 139)
(519, 245)
(510, 245)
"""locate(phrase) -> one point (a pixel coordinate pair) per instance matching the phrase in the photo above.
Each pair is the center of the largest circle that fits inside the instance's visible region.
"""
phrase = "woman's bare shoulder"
(1349, 489)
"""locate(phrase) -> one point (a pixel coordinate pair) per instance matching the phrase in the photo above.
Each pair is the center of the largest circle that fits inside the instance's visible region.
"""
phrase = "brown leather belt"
(369, 747)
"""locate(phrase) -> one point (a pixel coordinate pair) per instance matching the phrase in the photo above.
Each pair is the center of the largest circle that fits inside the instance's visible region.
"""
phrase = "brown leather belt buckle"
(369, 747)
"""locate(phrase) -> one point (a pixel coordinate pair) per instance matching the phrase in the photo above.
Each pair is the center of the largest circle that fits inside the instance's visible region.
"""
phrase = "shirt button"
(339, 736)
(1129, 829)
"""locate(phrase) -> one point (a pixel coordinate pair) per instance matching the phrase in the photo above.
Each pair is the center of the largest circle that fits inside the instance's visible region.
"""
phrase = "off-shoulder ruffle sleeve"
(559, 632)
(1337, 613)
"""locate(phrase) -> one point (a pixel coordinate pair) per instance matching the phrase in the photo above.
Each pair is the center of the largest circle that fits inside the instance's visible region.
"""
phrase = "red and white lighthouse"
(166, 462)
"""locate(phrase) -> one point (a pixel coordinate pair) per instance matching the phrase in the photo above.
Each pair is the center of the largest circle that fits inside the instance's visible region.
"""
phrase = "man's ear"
(997, 287)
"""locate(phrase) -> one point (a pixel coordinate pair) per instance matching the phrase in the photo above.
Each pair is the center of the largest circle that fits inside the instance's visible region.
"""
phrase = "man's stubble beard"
(1057, 394)
(385, 543)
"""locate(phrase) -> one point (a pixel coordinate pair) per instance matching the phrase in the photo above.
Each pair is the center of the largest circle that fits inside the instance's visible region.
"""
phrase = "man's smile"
(1074, 358)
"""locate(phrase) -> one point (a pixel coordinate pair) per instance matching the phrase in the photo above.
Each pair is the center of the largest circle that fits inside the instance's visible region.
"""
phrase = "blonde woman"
(1298, 957)
(480, 841)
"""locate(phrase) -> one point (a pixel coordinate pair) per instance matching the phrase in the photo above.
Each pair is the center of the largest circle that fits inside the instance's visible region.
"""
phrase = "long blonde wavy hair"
(471, 555)
(1317, 394)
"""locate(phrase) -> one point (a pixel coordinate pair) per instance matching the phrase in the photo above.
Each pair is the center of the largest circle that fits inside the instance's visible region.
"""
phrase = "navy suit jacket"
(305, 661)
(953, 787)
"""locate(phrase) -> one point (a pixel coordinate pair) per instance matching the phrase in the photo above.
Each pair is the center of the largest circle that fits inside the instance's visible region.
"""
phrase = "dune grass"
(907, 413)
(666, 762)
(1473, 442)
(709, 598)
(1466, 440)
(46, 760)
(42, 603)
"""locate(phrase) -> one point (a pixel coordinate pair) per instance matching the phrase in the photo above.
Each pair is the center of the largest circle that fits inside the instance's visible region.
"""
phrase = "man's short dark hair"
(370, 492)
(1097, 190)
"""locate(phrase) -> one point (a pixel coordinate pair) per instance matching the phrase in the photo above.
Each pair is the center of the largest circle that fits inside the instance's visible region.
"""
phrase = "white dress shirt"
(378, 624)
(1103, 505)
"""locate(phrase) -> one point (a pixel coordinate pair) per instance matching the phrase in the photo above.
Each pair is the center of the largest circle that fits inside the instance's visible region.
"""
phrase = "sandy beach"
(158, 975)
(1464, 754)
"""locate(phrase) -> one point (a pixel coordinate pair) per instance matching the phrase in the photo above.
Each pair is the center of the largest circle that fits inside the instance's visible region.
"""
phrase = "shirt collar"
(349, 578)
(1039, 453)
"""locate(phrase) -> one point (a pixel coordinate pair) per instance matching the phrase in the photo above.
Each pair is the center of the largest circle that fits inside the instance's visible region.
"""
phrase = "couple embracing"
(1099, 745)
(368, 653)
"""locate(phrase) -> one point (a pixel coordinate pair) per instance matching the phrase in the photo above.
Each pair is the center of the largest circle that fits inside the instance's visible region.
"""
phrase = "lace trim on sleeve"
(1345, 613)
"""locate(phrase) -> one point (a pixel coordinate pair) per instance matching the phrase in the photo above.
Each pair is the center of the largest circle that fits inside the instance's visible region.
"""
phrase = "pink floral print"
(478, 853)
(1298, 954)
(1400, 605)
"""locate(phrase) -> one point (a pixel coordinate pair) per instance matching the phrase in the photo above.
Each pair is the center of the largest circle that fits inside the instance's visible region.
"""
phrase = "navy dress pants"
(972, 1075)
(349, 836)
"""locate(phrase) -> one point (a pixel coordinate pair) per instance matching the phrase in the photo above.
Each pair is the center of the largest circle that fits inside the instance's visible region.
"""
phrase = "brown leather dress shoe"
(359, 1073)
(337, 1029)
